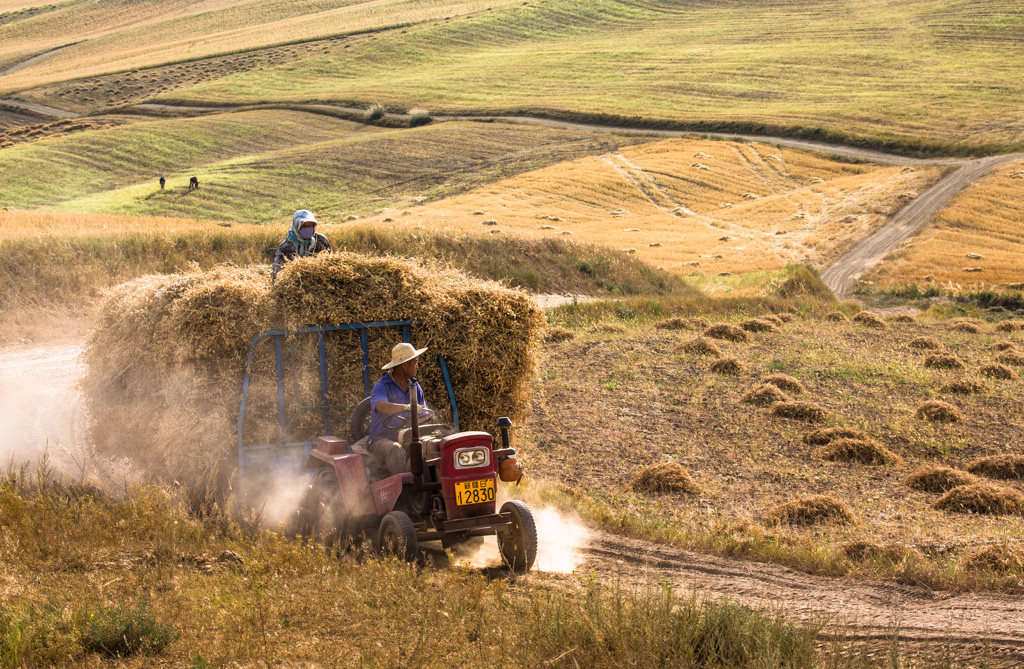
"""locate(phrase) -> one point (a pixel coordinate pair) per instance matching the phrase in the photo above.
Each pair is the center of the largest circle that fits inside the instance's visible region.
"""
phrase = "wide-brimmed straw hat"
(401, 354)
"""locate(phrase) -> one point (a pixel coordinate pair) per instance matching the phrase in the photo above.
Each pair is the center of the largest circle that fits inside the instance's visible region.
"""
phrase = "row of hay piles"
(166, 360)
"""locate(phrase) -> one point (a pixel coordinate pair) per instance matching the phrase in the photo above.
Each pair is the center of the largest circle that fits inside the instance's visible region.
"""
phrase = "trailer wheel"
(359, 425)
(397, 536)
(517, 543)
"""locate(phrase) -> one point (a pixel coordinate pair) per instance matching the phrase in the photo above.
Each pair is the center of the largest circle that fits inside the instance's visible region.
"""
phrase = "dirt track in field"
(990, 625)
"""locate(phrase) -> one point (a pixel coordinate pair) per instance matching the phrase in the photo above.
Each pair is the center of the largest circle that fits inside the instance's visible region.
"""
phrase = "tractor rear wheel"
(319, 517)
(517, 543)
(359, 424)
(397, 536)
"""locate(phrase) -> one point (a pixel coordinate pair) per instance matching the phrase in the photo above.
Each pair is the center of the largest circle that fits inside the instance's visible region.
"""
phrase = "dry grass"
(1008, 466)
(812, 511)
(868, 452)
(962, 387)
(1013, 325)
(997, 371)
(785, 382)
(557, 334)
(758, 325)
(999, 558)
(943, 361)
(837, 317)
(827, 435)
(727, 332)
(985, 220)
(728, 367)
(764, 395)
(799, 410)
(925, 343)
(609, 328)
(1014, 358)
(937, 411)
(970, 328)
(862, 550)
(678, 323)
(903, 318)
(664, 477)
(982, 498)
(1003, 346)
(932, 478)
(702, 346)
(871, 320)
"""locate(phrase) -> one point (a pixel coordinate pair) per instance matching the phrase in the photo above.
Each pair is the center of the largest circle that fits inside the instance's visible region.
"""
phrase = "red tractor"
(448, 496)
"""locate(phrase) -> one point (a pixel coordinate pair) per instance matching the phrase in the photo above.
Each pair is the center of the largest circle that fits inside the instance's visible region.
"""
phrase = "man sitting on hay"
(390, 395)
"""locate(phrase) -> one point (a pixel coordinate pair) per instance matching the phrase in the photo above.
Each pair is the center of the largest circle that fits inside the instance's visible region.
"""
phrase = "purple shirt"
(388, 391)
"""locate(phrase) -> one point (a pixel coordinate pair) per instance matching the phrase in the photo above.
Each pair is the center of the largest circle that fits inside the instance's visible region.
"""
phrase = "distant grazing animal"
(162, 183)
(193, 184)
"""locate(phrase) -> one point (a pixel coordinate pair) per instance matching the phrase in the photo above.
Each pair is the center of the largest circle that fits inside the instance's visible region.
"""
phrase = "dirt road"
(988, 624)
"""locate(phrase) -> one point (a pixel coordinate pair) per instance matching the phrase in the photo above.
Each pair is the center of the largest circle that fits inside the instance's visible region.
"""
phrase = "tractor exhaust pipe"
(415, 446)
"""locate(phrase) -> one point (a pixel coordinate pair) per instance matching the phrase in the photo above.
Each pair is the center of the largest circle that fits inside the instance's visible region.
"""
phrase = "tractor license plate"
(474, 492)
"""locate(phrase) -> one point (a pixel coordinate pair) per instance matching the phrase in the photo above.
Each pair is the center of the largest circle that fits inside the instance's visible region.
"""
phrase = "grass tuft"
(799, 410)
(1008, 466)
(937, 411)
(665, 477)
(864, 451)
(117, 632)
(812, 511)
(982, 498)
(931, 478)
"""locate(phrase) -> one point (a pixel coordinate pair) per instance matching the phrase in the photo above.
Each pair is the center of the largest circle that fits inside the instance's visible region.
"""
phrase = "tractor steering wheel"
(403, 419)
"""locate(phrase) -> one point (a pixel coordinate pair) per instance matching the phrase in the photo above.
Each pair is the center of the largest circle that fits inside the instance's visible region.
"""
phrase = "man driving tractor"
(390, 395)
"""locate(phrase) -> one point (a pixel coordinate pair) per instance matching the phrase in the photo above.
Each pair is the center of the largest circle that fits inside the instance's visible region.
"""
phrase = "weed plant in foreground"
(136, 579)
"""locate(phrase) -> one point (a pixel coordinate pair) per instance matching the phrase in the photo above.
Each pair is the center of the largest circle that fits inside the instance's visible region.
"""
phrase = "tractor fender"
(386, 491)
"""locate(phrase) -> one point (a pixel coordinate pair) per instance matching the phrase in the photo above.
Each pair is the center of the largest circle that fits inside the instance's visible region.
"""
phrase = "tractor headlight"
(472, 457)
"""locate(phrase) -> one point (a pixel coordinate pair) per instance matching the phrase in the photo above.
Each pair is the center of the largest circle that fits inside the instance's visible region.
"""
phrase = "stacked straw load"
(165, 362)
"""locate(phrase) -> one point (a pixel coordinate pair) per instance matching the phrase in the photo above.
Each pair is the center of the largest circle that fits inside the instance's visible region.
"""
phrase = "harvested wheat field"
(982, 229)
(650, 399)
(691, 205)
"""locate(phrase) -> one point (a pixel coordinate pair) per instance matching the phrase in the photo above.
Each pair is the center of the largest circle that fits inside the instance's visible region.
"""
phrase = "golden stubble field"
(691, 206)
(613, 400)
(975, 241)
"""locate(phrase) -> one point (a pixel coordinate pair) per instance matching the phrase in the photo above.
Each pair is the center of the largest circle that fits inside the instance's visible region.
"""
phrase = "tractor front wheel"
(397, 536)
(517, 543)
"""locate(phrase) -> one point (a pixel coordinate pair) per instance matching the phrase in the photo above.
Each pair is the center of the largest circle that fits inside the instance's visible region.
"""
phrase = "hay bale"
(726, 331)
(870, 319)
(557, 334)
(999, 558)
(962, 387)
(165, 360)
(925, 343)
(997, 371)
(932, 478)
(785, 382)
(982, 498)
(758, 325)
(764, 395)
(827, 435)
(728, 367)
(664, 477)
(943, 361)
(702, 346)
(811, 511)
(937, 411)
(837, 317)
(864, 451)
(799, 410)
(1008, 466)
(1011, 358)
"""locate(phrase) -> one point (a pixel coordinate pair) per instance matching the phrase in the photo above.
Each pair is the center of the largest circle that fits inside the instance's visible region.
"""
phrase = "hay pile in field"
(827, 435)
(773, 319)
(783, 316)
(943, 361)
(729, 367)
(677, 323)
(1011, 325)
(785, 382)
(903, 318)
(837, 317)
(864, 451)
(925, 343)
(557, 334)
(665, 477)
(609, 328)
(758, 325)
(1003, 346)
(999, 558)
(165, 362)
(1008, 466)
(702, 346)
(867, 550)
(811, 511)
(997, 371)
(962, 387)
(982, 498)
(938, 411)
(871, 320)
(726, 331)
(1011, 357)
(799, 410)
(932, 478)
(971, 328)
(764, 395)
